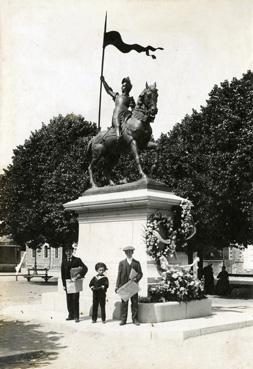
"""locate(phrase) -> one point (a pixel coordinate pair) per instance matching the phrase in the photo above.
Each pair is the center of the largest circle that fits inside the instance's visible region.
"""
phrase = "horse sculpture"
(136, 133)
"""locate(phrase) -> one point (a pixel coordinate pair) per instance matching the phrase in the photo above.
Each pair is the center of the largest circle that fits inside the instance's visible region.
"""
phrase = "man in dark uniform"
(122, 103)
(125, 267)
(69, 262)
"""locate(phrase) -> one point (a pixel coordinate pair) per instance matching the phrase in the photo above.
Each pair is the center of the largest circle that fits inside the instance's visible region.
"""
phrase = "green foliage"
(47, 171)
(208, 158)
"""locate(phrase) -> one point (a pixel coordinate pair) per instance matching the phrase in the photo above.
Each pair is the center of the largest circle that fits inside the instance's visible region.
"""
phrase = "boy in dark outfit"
(99, 285)
(68, 263)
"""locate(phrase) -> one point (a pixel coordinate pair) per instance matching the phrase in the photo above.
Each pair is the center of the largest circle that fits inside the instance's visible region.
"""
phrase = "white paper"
(74, 286)
(128, 290)
(133, 273)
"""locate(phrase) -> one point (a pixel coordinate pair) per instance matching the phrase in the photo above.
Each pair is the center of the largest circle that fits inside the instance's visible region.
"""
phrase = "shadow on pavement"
(25, 345)
(53, 282)
(234, 309)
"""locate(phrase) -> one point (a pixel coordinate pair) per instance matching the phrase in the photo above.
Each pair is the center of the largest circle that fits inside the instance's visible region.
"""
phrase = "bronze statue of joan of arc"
(122, 103)
(131, 130)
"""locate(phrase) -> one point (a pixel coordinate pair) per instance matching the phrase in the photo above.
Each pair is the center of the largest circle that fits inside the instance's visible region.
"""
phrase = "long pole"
(101, 74)
(35, 261)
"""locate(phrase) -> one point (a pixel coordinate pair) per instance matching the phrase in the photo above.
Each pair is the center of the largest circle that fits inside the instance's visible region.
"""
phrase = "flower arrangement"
(187, 229)
(157, 223)
(162, 236)
(177, 285)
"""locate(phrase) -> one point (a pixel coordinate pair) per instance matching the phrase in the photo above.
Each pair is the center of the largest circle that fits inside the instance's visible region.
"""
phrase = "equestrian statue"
(130, 131)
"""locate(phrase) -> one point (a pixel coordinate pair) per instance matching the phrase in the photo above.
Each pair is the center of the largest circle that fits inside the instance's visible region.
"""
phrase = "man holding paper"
(129, 274)
(72, 270)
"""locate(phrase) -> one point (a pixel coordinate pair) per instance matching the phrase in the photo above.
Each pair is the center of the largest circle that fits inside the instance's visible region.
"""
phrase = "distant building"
(10, 255)
(241, 260)
(46, 257)
(236, 260)
(248, 259)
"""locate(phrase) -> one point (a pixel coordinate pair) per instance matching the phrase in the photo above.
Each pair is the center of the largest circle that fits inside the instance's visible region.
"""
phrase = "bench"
(238, 281)
(35, 274)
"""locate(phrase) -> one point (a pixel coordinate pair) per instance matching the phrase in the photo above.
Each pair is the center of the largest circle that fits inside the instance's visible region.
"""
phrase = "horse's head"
(147, 101)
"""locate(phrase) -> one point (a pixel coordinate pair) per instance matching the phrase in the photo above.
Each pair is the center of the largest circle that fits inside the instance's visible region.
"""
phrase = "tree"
(47, 171)
(208, 158)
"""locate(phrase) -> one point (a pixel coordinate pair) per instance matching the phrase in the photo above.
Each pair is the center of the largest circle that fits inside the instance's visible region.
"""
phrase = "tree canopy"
(49, 169)
(208, 158)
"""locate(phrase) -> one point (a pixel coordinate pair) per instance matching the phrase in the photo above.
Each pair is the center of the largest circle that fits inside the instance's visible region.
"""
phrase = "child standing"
(99, 285)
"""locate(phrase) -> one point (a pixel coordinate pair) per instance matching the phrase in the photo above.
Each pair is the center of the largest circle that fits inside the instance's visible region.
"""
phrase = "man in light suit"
(125, 267)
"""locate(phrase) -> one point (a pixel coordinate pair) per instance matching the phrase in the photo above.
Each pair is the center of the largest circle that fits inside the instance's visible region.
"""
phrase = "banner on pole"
(114, 38)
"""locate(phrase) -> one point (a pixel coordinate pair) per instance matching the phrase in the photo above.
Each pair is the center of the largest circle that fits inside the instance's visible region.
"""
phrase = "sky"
(51, 58)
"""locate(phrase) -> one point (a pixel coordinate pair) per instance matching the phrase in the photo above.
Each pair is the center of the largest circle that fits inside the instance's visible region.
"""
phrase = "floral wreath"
(161, 236)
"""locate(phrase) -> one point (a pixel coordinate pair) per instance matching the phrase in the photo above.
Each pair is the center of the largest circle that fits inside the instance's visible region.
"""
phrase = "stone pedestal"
(111, 218)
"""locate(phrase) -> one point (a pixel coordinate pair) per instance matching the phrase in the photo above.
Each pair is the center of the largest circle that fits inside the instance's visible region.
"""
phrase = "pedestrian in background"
(222, 286)
(208, 279)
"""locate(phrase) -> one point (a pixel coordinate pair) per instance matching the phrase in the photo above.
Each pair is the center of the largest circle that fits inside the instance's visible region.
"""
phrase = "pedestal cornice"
(156, 197)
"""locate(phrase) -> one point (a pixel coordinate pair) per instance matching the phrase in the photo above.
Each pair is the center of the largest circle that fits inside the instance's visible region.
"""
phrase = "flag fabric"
(114, 38)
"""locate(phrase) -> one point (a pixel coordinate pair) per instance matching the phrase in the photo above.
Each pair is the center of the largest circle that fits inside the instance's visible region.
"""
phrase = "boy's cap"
(100, 265)
(126, 248)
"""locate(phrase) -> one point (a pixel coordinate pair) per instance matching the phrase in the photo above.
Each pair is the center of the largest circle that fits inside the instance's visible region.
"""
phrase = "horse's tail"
(99, 139)
(94, 140)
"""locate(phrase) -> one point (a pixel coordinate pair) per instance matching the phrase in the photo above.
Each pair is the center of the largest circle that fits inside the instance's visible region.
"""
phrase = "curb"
(229, 326)
(173, 330)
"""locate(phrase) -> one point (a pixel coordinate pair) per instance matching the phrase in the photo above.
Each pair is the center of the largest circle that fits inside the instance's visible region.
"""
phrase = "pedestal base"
(173, 310)
(148, 312)
(113, 217)
(56, 301)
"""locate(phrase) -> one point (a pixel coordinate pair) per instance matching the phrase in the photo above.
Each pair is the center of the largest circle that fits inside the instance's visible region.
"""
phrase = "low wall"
(148, 312)
(173, 310)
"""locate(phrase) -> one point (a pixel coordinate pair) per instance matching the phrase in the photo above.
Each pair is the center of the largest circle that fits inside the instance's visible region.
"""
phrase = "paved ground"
(66, 346)
(14, 292)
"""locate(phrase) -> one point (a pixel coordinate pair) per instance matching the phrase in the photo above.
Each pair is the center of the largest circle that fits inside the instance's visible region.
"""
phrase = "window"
(45, 252)
(56, 253)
